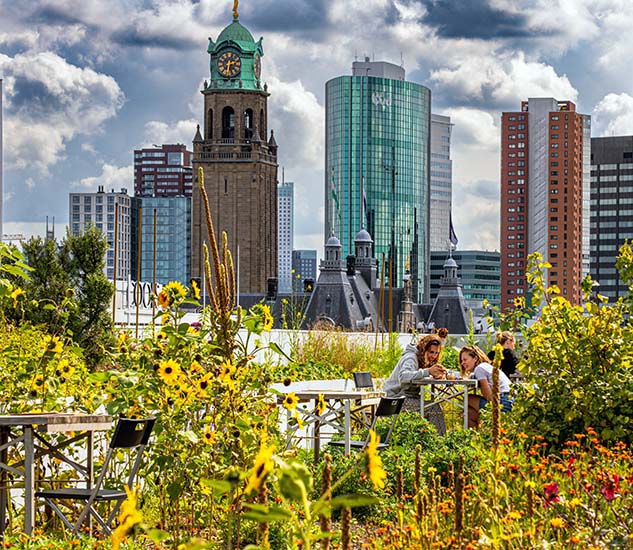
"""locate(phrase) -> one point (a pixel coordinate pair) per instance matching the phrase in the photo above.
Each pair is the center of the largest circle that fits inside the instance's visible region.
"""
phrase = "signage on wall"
(381, 99)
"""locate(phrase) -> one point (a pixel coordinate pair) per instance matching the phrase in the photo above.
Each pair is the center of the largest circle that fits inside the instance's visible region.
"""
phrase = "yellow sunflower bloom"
(226, 370)
(203, 384)
(195, 367)
(320, 405)
(209, 436)
(195, 290)
(128, 518)
(268, 318)
(15, 295)
(376, 472)
(169, 372)
(163, 299)
(263, 466)
(557, 523)
(52, 343)
(290, 402)
(176, 289)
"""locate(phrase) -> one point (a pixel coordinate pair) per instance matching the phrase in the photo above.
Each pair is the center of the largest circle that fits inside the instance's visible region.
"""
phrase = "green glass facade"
(377, 171)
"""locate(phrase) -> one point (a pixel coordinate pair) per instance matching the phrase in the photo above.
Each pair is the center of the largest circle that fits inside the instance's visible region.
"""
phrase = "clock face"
(229, 64)
(257, 66)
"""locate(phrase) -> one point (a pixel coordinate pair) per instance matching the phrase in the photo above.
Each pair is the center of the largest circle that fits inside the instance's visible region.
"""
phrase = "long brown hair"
(473, 351)
(503, 337)
(424, 344)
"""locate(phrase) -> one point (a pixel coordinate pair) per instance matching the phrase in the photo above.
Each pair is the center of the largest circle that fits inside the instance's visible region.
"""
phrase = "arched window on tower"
(262, 125)
(248, 124)
(228, 123)
(209, 128)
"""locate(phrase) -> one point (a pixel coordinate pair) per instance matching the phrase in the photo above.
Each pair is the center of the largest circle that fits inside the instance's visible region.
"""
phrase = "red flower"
(551, 494)
(611, 487)
(570, 464)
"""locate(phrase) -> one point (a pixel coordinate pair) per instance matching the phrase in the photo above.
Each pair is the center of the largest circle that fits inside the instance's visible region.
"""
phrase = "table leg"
(422, 401)
(29, 477)
(4, 489)
(465, 407)
(348, 426)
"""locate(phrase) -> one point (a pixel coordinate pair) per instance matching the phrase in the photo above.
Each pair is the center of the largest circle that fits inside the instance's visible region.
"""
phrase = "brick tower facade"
(240, 166)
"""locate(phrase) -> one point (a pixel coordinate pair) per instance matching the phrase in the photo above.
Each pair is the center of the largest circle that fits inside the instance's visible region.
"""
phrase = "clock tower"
(239, 162)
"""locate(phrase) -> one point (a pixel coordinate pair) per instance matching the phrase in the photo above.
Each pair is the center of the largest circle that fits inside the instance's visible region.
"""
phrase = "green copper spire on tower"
(235, 58)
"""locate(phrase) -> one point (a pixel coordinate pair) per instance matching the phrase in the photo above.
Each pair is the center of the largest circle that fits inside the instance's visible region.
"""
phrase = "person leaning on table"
(416, 362)
(473, 361)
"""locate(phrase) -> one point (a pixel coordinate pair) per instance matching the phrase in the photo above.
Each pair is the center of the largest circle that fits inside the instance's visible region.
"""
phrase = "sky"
(87, 82)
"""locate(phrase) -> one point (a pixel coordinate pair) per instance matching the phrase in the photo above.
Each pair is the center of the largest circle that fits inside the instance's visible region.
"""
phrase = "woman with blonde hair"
(510, 360)
(474, 362)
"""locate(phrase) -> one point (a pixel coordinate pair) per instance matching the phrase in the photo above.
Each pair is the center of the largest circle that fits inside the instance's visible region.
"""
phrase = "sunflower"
(128, 518)
(64, 368)
(163, 299)
(209, 436)
(519, 302)
(320, 405)
(376, 472)
(226, 370)
(176, 290)
(169, 372)
(53, 344)
(15, 295)
(195, 290)
(203, 384)
(268, 318)
(290, 402)
(263, 466)
(195, 367)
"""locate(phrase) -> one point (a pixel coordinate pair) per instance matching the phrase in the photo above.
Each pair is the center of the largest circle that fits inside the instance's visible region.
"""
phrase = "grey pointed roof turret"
(198, 136)
(333, 241)
(363, 236)
(272, 141)
(450, 262)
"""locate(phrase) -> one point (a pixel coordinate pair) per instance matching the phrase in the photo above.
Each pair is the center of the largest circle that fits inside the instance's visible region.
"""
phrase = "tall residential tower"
(544, 195)
(441, 182)
(377, 143)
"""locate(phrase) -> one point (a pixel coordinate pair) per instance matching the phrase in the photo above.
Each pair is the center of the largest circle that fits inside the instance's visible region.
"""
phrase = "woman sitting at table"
(416, 363)
(474, 362)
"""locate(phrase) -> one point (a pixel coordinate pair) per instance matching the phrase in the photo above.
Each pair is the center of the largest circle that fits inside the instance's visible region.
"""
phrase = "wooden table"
(447, 390)
(340, 408)
(26, 431)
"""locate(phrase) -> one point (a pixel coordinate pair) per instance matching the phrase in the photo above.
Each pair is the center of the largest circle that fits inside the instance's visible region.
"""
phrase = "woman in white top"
(474, 362)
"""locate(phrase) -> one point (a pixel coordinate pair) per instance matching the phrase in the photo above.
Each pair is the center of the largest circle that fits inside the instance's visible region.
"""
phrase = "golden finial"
(235, 14)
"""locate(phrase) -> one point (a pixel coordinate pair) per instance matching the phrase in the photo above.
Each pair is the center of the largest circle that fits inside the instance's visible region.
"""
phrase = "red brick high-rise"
(545, 164)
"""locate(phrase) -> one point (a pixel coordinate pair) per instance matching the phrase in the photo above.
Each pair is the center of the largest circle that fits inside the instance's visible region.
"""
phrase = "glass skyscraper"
(377, 168)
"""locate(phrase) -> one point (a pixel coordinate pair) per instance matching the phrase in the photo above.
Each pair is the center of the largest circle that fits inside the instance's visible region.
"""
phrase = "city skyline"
(84, 87)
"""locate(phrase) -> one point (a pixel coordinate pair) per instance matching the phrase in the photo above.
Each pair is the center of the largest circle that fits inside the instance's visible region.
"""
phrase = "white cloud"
(505, 78)
(159, 133)
(474, 128)
(300, 123)
(111, 177)
(613, 116)
(48, 102)
(6, 197)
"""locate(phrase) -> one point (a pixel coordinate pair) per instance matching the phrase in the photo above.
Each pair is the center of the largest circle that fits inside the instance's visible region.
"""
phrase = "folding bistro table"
(340, 408)
(446, 390)
(27, 434)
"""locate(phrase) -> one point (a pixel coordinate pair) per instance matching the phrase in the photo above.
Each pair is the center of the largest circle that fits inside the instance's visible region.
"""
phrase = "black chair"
(363, 380)
(131, 434)
(387, 407)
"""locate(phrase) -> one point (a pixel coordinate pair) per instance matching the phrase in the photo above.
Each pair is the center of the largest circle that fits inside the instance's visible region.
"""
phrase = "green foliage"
(578, 363)
(334, 354)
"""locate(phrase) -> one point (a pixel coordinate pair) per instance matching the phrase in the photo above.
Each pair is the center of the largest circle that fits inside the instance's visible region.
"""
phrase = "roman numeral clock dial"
(229, 64)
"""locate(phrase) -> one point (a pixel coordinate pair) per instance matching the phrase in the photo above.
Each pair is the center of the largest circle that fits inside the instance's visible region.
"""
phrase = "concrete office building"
(285, 231)
(163, 171)
(304, 267)
(544, 195)
(377, 143)
(441, 182)
(479, 272)
(611, 209)
(239, 161)
(111, 213)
